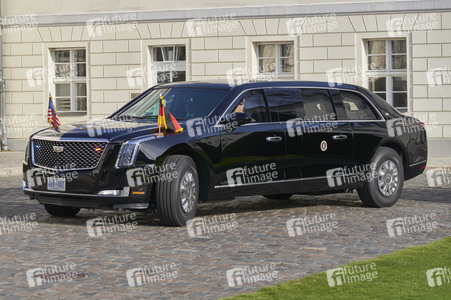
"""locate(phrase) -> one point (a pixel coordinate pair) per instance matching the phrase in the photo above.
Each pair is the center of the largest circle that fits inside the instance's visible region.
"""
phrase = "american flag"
(52, 117)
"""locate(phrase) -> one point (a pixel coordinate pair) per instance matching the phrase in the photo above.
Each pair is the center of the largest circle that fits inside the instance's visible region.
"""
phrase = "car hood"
(105, 129)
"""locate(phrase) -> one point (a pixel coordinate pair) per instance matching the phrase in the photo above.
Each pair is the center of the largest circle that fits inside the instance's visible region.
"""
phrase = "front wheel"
(61, 211)
(385, 186)
(176, 200)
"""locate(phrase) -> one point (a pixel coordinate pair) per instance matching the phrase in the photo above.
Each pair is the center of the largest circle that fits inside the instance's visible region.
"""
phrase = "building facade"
(92, 59)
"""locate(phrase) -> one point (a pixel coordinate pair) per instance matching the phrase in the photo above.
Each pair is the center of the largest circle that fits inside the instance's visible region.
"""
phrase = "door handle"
(340, 137)
(273, 139)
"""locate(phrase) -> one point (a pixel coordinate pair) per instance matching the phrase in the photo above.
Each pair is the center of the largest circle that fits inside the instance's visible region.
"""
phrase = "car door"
(327, 140)
(251, 153)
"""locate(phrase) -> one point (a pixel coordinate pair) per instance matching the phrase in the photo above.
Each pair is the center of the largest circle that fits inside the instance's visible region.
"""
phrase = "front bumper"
(88, 200)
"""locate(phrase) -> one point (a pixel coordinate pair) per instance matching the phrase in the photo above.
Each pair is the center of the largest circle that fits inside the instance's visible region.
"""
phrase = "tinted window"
(356, 108)
(253, 103)
(285, 104)
(317, 104)
(183, 103)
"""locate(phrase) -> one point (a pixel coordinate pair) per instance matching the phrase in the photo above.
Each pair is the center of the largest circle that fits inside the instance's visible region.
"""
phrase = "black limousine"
(275, 139)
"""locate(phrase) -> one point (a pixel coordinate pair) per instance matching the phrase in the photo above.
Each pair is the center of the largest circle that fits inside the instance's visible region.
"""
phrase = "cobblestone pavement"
(260, 237)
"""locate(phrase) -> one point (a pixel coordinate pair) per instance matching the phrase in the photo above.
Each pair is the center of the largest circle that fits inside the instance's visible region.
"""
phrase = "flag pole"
(159, 127)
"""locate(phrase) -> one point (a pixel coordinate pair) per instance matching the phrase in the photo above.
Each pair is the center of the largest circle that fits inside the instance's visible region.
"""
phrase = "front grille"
(72, 155)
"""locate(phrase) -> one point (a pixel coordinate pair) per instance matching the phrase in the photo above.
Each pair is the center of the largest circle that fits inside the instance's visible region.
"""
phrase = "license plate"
(56, 184)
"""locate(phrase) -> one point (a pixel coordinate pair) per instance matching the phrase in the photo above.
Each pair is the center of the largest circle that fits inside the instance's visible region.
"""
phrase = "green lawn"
(400, 275)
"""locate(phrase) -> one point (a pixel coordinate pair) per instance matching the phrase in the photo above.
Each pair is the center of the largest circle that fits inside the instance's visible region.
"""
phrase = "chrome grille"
(72, 155)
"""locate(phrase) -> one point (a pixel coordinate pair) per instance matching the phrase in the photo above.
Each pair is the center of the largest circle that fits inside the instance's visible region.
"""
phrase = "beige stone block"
(344, 52)
(154, 29)
(103, 84)
(12, 61)
(306, 40)
(306, 66)
(204, 56)
(232, 55)
(382, 21)
(143, 30)
(348, 39)
(370, 22)
(259, 26)
(427, 104)
(77, 31)
(32, 108)
(218, 43)
(66, 33)
(230, 28)
(446, 49)
(330, 39)
(115, 96)
(134, 45)
(102, 109)
(272, 26)
(339, 24)
(439, 36)
(22, 97)
(115, 71)
(313, 53)
(131, 58)
(248, 27)
(165, 29)
(357, 23)
(443, 118)
(197, 43)
(419, 37)
(102, 59)
(426, 50)
(31, 35)
(22, 49)
(447, 131)
(446, 20)
(96, 96)
(217, 68)
(32, 61)
(420, 91)
(239, 42)
(420, 64)
(37, 49)
(440, 62)
(115, 46)
(439, 91)
(177, 29)
(11, 36)
(197, 69)
(322, 66)
(284, 26)
(14, 109)
(447, 104)
(55, 33)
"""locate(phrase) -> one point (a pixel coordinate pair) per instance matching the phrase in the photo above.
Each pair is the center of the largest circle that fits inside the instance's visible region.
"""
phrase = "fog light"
(124, 192)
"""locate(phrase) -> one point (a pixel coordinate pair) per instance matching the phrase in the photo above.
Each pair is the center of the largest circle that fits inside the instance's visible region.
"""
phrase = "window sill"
(72, 113)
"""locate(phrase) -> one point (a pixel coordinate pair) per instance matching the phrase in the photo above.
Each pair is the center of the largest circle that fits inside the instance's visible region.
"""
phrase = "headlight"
(127, 154)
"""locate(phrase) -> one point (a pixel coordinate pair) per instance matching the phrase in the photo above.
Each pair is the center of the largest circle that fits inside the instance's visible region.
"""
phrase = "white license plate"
(56, 184)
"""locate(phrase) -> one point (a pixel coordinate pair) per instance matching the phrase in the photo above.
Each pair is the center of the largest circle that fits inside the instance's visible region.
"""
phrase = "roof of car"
(225, 84)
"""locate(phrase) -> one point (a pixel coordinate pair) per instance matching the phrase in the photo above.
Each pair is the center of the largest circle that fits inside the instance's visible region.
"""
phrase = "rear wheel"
(278, 196)
(385, 187)
(176, 200)
(61, 211)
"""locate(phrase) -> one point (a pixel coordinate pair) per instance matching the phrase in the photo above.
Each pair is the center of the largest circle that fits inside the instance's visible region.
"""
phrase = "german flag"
(166, 120)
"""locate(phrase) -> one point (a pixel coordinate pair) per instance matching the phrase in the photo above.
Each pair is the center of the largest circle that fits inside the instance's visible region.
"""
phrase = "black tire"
(279, 196)
(168, 194)
(61, 211)
(370, 194)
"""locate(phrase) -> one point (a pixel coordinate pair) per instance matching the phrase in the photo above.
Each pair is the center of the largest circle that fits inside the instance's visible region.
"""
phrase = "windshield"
(182, 103)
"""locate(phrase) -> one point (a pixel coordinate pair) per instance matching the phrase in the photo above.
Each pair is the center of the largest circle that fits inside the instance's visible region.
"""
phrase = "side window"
(253, 103)
(356, 108)
(317, 104)
(285, 104)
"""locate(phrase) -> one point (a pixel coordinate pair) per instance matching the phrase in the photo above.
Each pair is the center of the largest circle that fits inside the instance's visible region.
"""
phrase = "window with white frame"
(387, 70)
(69, 80)
(168, 64)
(276, 58)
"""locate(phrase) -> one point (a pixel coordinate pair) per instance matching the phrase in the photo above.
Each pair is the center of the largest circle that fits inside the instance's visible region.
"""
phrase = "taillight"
(421, 124)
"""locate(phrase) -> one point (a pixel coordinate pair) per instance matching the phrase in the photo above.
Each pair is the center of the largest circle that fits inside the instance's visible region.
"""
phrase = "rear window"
(317, 104)
(356, 107)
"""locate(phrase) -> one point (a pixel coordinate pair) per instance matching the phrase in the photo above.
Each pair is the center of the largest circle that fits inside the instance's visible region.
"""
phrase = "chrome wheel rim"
(188, 191)
(388, 178)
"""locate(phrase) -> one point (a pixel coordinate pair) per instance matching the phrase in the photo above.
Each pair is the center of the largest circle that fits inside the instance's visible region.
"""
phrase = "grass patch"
(400, 275)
